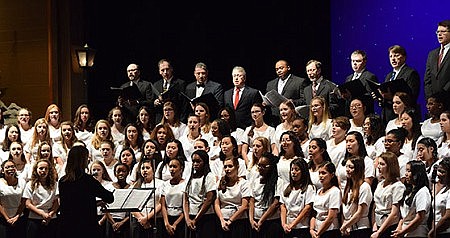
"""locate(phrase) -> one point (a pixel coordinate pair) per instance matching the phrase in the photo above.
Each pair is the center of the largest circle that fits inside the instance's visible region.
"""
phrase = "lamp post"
(85, 57)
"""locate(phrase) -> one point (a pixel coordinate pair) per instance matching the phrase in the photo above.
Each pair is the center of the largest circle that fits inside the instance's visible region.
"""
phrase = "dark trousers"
(16, 231)
(179, 231)
(238, 229)
(205, 227)
(331, 234)
(155, 231)
(269, 229)
(35, 228)
(303, 232)
(388, 232)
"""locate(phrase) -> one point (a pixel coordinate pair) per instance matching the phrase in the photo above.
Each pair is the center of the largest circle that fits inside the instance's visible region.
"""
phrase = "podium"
(130, 200)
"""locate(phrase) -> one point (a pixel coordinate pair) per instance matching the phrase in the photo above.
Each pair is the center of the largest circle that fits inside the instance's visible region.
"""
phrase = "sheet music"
(129, 199)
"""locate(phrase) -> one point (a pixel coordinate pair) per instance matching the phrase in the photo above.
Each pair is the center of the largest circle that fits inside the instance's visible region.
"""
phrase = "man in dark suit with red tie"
(437, 73)
(241, 98)
(131, 107)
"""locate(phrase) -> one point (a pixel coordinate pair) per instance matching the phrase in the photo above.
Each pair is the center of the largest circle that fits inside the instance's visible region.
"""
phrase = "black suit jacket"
(243, 110)
(365, 75)
(328, 90)
(173, 94)
(437, 80)
(210, 87)
(412, 78)
(145, 99)
(293, 89)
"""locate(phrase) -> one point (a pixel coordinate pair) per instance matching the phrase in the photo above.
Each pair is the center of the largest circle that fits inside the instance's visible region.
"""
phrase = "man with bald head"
(288, 85)
(130, 106)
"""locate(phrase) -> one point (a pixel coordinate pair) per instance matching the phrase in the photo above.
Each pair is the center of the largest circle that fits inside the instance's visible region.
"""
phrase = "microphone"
(434, 173)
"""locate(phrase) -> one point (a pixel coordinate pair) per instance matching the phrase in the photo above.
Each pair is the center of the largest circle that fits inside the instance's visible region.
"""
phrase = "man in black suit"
(202, 86)
(131, 107)
(397, 58)
(437, 73)
(321, 87)
(241, 98)
(359, 62)
(169, 88)
(288, 85)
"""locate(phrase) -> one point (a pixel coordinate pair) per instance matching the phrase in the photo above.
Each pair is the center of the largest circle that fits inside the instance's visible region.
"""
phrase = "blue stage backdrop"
(374, 26)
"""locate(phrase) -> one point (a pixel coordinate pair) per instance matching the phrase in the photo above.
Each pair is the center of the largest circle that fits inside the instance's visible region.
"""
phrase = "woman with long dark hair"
(318, 156)
(290, 149)
(263, 206)
(296, 201)
(441, 226)
(232, 200)
(199, 197)
(416, 204)
(327, 204)
(357, 197)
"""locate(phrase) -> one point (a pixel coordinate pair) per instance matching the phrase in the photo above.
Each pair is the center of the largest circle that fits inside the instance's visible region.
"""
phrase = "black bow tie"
(200, 85)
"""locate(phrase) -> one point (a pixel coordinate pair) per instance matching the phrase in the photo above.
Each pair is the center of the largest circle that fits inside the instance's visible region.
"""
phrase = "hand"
(431, 233)
(254, 225)
(116, 226)
(286, 228)
(12, 221)
(375, 234)
(170, 229)
(313, 233)
(397, 233)
(190, 223)
(224, 225)
(142, 220)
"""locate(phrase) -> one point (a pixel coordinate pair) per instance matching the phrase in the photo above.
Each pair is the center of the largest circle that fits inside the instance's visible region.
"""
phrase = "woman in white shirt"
(374, 135)
(318, 156)
(435, 106)
(319, 119)
(24, 117)
(257, 129)
(172, 200)
(411, 122)
(441, 227)
(260, 146)
(287, 116)
(296, 201)
(336, 144)
(327, 204)
(133, 140)
(427, 153)
(357, 197)
(171, 117)
(144, 123)
(400, 102)
(387, 196)
(232, 200)
(264, 214)
(83, 123)
(115, 120)
(13, 221)
(357, 111)
(290, 149)
(444, 141)
(416, 203)
(199, 197)
(53, 118)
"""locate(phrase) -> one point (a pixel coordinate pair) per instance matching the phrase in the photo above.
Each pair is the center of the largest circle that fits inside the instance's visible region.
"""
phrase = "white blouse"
(323, 130)
(173, 195)
(196, 199)
(421, 202)
(431, 130)
(384, 198)
(442, 204)
(295, 202)
(348, 210)
(330, 199)
(231, 199)
(257, 193)
(10, 196)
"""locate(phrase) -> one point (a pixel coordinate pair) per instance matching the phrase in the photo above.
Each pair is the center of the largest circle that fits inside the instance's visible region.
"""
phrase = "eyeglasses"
(441, 32)
(356, 106)
(389, 141)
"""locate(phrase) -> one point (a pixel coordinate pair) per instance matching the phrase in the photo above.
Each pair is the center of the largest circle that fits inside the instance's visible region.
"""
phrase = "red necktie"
(441, 54)
(236, 98)
(314, 90)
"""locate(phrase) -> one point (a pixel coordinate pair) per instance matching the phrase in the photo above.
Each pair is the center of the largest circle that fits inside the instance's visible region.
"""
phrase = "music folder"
(128, 93)
(273, 98)
(355, 88)
(130, 200)
(397, 85)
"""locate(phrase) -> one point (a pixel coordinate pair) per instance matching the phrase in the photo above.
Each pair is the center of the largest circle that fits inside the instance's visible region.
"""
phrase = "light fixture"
(85, 56)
